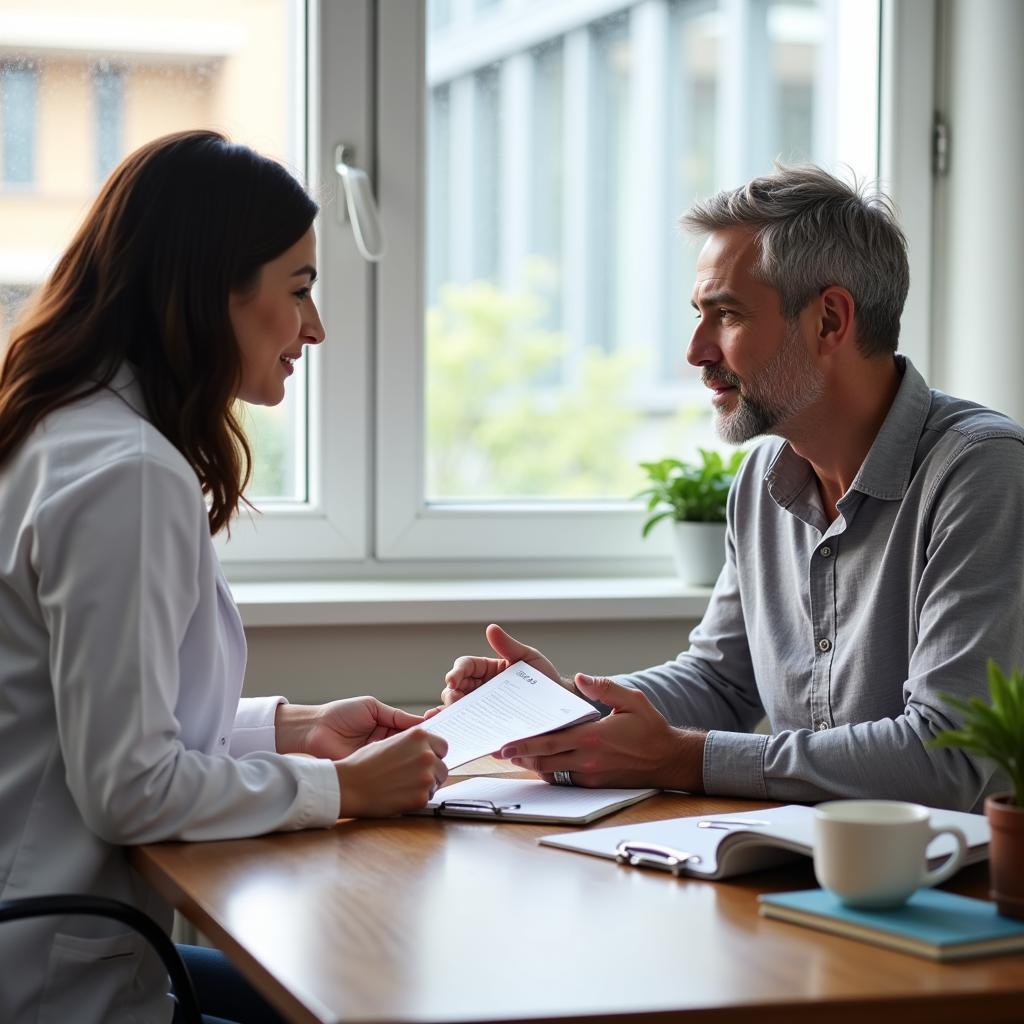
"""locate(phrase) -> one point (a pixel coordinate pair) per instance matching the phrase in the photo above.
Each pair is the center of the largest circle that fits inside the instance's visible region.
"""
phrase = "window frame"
(331, 528)
(367, 515)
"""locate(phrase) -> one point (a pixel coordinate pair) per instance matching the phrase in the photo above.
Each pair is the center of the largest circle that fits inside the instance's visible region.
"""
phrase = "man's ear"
(835, 319)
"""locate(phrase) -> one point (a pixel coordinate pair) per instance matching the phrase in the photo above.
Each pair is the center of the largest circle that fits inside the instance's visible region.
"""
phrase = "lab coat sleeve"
(118, 556)
(254, 725)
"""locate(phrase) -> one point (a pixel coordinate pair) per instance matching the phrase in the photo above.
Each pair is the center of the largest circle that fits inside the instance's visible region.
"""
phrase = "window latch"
(360, 208)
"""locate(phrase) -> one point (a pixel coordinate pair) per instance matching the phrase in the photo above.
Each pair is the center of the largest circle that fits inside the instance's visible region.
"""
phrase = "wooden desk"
(425, 920)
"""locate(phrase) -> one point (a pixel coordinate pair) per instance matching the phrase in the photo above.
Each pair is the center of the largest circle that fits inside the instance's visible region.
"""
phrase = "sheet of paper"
(515, 704)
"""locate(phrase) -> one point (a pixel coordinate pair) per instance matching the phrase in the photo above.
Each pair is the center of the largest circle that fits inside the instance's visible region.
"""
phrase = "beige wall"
(405, 664)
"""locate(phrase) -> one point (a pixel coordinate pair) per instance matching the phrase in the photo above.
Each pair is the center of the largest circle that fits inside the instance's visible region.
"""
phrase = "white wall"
(979, 254)
(405, 665)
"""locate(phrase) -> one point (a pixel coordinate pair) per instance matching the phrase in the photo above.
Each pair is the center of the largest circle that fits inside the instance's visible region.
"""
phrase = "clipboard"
(528, 801)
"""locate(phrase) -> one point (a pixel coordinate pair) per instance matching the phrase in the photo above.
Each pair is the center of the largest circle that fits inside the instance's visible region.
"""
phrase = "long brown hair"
(182, 223)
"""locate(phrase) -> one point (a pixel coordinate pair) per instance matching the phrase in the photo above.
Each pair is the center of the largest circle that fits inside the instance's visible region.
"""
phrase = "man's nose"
(702, 350)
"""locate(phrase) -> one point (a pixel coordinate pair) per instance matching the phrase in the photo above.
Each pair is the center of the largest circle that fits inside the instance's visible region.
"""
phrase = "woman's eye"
(302, 294)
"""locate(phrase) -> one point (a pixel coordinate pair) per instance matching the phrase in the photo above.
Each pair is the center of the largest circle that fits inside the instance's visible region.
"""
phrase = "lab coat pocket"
(92, 979)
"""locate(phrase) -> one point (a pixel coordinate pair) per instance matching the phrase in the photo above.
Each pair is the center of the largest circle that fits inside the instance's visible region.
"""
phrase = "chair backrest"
(44, 906)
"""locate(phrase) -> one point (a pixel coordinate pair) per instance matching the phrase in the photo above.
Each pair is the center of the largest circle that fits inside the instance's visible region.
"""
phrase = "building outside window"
(108, 91)
(18, 88)
(80, 87)
(613, 118)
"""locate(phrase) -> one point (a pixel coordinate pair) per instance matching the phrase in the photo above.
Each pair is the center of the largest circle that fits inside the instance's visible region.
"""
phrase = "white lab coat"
(121, 665)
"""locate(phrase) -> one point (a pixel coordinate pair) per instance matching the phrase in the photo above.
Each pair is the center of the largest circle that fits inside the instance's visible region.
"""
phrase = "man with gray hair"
(873, 554)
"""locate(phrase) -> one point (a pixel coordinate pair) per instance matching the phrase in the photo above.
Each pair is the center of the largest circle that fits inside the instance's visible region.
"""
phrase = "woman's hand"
(337, 729)
(395, 775)
(470, 672)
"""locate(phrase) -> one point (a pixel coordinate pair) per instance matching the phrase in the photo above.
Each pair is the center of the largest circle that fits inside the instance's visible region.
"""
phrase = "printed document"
(516, 704)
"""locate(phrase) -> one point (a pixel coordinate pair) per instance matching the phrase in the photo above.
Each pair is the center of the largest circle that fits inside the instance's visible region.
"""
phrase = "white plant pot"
(699, 550)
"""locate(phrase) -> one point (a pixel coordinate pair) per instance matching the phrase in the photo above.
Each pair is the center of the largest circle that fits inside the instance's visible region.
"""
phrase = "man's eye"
(724, 314)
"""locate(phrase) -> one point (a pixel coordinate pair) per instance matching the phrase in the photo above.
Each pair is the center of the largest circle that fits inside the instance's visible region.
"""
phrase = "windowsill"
(387, 602)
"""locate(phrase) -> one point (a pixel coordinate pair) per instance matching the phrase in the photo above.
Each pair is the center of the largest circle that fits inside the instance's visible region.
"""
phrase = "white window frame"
(367, 515)
(332, 527)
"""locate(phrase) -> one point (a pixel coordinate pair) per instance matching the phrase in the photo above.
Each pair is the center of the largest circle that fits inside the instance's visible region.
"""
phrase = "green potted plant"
(996, 731)
(692, 495)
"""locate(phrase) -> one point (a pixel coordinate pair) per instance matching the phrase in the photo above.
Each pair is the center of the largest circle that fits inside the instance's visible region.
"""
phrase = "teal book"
(932, 923)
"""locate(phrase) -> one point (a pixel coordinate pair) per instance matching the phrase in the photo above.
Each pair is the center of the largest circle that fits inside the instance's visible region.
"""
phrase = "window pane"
(81, 87)
(560, 154)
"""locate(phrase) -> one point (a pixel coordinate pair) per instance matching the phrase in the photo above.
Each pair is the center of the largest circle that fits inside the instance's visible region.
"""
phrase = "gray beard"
(782, 390)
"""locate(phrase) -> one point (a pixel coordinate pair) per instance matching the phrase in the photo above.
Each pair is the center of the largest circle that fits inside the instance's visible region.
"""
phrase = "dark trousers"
(225, 997)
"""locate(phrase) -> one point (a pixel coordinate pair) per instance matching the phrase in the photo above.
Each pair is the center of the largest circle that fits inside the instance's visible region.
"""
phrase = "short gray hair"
(814, 230)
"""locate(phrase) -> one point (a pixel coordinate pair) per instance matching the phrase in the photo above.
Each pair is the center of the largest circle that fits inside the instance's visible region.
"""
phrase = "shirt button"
(222, 741)
(824, 644)
(825, 551)
(822, 726)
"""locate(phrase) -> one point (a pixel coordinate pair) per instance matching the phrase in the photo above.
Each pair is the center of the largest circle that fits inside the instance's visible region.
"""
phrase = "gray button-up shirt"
(846, 633)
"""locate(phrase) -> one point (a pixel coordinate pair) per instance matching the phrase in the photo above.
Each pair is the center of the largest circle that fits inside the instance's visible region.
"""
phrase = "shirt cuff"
(734, 764)
(254, 725)
(319, 792)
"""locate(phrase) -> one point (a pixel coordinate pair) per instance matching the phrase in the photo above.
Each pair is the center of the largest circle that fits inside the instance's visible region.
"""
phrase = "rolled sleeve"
(254, 725)
(734, 764)
(319, 795)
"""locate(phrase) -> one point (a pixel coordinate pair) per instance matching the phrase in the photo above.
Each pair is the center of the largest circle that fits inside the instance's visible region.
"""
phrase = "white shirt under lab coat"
(121, 665)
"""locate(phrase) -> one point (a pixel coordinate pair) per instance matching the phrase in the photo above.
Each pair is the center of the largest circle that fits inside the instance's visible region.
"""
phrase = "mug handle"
(952, 862)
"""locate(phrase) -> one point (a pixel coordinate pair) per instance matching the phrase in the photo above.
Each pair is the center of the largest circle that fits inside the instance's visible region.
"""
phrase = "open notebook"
(721, 845)
(529, 800)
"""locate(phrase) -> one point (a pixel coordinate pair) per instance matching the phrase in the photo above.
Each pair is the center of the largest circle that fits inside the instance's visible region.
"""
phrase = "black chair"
(44, 906)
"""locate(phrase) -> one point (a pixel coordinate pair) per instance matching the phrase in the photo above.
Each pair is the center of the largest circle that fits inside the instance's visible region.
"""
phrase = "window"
(562, 140)
(487, 388)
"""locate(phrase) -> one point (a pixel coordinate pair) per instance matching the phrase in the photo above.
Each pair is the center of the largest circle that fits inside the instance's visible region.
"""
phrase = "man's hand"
(337, 729)
(469, 672)
(395, 775)
(633, 746)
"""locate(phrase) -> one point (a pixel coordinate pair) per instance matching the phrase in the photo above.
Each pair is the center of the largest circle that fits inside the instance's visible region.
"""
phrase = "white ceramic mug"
(871, 853)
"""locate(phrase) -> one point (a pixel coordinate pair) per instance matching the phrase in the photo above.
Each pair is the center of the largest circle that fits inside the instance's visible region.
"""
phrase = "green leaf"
(994, 730)
(691, 492)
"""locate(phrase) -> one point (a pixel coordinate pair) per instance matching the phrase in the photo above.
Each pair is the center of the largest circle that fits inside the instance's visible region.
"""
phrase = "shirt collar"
(126, 386)
(885, 472)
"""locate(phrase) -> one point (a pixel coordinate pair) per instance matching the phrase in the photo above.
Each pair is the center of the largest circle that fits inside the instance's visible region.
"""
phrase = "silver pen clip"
(480, 806)
(639, 854)
(732, 823)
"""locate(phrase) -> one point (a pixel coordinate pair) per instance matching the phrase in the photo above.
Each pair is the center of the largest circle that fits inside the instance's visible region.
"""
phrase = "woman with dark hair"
(121, 651)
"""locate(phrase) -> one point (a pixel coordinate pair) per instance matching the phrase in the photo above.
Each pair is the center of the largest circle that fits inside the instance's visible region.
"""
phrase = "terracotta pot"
(1006, 854)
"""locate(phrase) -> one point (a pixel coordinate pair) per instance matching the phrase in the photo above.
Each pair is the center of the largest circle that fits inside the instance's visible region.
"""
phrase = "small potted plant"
(996, 731)
(692, 495)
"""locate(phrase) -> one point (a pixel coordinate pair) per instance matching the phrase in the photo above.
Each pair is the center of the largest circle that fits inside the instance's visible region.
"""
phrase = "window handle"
(360, 207)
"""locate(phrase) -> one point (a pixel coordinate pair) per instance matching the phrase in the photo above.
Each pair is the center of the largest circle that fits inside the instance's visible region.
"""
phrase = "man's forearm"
(685, 770)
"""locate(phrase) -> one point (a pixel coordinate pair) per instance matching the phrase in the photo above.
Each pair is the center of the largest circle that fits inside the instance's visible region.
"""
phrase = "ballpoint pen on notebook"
(731, 823)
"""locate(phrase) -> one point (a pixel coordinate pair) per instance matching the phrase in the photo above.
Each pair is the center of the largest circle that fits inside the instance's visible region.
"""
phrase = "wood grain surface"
(422, 921)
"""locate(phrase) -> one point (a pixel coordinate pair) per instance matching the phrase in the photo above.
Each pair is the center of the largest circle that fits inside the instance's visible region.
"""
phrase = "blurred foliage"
(507, 417)
(995, 729)
(267, 431)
